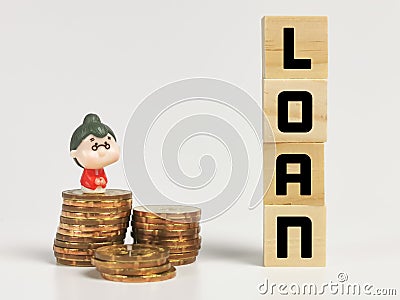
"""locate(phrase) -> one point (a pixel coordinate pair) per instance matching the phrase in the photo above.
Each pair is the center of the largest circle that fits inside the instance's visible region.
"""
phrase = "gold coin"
(84, 246)
(90, 234)
(84, 221)
(100, 204)
(174, 226)
(165, 233)
(148, 237)
(173, 219)
(170, 212)
(73, 257)
(128, 264)
(132, 252)
(184, 261)
(171, 273)
(68, 238)
(136, 271)
(157, 220)
(100, 210)
(184, 255)
(109, 194)
(175, 249)
(74, 263)
(91, 228)
(168, 243)
(104, 216)
(73, 251)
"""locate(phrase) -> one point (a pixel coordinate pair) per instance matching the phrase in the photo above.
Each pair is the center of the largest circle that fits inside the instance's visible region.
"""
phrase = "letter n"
(282, 225)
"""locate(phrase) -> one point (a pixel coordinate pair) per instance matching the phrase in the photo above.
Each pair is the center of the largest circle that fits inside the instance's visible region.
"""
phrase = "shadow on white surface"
(241, 254)
(29, 252)
(92, 273)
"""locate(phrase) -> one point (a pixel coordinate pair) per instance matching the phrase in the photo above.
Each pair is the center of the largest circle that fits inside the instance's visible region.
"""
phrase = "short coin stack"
(89, 221)
(173, 226)
(133, 263)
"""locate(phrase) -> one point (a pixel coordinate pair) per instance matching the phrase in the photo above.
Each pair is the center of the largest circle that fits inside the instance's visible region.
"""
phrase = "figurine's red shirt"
(89, 176)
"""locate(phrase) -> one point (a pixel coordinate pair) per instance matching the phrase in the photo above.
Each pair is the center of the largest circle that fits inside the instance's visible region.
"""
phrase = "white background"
(62, 59)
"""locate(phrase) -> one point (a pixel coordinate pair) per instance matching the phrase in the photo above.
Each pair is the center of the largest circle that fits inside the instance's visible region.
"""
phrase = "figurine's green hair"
(91, 125)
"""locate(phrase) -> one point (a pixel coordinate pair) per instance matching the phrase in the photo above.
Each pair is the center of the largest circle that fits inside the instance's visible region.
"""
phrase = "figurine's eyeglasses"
(96, 146)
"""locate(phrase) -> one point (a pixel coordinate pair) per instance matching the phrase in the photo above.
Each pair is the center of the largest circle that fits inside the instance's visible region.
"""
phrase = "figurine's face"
(96, 153)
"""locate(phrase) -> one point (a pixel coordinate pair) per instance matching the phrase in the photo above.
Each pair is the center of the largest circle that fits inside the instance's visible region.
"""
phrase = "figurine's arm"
(103, 175)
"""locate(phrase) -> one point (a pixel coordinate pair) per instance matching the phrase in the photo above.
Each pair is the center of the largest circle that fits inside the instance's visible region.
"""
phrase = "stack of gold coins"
(133, 263)
(89, 221)
(173, 226)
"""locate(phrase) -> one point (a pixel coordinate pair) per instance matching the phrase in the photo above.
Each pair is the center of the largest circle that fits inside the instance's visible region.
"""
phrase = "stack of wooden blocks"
(295, 72)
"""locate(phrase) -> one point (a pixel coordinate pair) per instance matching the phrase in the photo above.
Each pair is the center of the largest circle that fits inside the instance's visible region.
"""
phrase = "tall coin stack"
(173, 226)
(133, 263)
(89, 221)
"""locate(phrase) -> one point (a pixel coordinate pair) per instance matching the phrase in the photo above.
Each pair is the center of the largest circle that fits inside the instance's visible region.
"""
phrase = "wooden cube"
(295, 47)
(296, 109)
(294, 236)
(296, 173)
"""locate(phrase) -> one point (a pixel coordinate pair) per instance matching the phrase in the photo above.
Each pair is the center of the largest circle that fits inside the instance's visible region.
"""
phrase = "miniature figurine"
(93, 146)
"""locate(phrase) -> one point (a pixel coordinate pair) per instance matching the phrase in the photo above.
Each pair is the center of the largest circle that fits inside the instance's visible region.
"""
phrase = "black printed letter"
(282, 177)
(289, 62)
(306, 111)
(282, 224)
